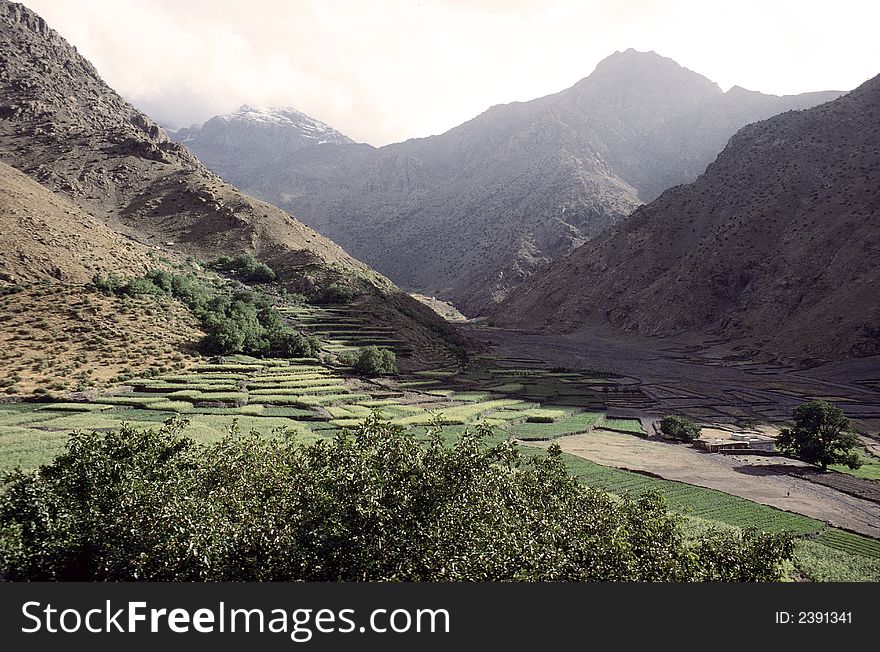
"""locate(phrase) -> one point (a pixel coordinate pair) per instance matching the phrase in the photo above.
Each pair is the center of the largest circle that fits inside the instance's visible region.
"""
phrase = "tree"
(372, 361)
(373, 504)
(821, 435)
(679, 428)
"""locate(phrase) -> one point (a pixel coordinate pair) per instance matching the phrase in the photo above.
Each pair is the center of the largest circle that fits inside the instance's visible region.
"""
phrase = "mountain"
(776, 246)
(45, 235)
(234, 143)
(117, 172)
(469, 214)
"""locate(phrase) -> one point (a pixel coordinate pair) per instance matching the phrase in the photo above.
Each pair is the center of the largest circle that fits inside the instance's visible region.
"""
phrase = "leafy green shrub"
(371, 361)
(109, 284)
(246, 267)
(679, 428)
(139, 286)
(372, 505)
(234, 322)
(336, 293)
(292, 298)
(288, 343)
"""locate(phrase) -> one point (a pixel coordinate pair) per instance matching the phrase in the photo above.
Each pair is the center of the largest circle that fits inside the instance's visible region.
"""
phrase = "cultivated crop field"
(309, 399)
(303, 397)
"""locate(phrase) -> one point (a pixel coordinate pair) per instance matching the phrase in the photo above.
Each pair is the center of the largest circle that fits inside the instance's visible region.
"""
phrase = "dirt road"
(748, 477)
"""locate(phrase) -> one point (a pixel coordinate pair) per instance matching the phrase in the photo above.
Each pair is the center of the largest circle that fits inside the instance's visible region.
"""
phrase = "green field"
(869, 470)
(577, 423)
(692, 500)
(309, 401)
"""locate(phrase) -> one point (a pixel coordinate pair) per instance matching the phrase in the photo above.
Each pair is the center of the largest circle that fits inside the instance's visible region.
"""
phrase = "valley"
(599, 399)
(639, 247)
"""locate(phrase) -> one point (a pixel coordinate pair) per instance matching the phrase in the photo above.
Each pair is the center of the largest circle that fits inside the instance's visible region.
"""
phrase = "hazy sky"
(386, 70)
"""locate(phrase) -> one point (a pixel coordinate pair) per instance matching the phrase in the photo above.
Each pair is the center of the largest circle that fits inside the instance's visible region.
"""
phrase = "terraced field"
(310, 399)
(303, 397)
(344, 328)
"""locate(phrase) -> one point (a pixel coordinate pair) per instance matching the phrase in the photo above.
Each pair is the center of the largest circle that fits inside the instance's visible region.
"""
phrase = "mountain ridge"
(774, 247)
(469, 214)
(62, 126)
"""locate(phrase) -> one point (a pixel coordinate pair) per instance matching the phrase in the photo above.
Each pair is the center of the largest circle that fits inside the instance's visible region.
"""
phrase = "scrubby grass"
(66, 337)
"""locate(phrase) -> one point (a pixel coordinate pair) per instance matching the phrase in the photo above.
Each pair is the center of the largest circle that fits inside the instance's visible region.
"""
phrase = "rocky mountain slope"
(776, 246)
(469, 214)
(61, 125)
(45, 235)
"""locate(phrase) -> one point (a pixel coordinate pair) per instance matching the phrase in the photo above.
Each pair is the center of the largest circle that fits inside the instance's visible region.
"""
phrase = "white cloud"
(386, 70)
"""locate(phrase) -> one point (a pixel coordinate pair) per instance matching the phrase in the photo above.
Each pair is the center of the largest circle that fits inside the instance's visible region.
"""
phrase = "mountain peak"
(284, 117)
(650, 68)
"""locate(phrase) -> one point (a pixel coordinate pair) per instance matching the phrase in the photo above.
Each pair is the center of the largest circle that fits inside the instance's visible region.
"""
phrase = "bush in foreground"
(372, 505)
(679, 428)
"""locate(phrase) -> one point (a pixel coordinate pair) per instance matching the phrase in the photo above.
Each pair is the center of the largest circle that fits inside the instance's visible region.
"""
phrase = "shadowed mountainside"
(469, 214)
(776, 246)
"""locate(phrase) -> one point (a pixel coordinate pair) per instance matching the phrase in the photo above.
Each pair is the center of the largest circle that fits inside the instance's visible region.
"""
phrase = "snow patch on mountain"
(282, 116)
